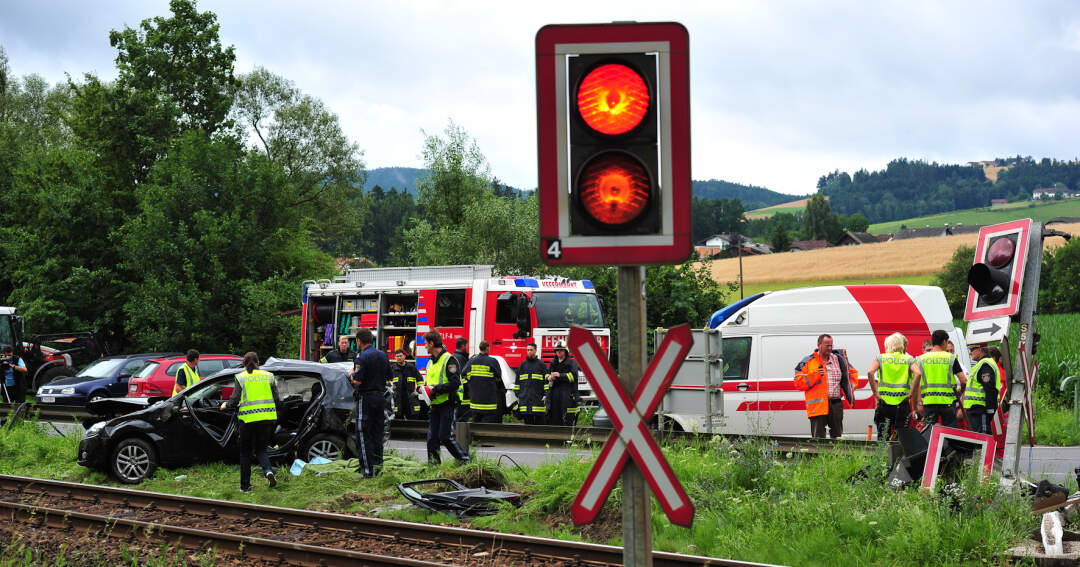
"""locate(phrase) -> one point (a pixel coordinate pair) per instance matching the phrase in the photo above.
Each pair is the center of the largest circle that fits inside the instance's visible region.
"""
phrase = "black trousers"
(889, 418)
(254, 437)
(403, 401)
(559, 401)
(486, 416)
(834, 420)
(370, 426)
(441, 434)
(978, 420)
(946, 412)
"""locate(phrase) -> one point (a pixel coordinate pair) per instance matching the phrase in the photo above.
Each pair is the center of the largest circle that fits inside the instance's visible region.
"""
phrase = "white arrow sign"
(987, 330)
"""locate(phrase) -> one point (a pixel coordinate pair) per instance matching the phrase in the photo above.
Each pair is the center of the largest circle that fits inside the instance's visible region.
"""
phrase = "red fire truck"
(401, 304)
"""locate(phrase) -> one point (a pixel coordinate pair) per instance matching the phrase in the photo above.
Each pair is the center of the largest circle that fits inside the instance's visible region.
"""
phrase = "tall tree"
(817, 217)
(459, 175)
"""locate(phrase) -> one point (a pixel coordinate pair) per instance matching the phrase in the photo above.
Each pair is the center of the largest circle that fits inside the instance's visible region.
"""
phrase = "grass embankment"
(751, 505)
(793, 207)
(1039, 211)
(867, 262)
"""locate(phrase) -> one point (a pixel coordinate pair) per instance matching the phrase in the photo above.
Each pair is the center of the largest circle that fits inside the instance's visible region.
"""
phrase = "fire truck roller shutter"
(322, 312)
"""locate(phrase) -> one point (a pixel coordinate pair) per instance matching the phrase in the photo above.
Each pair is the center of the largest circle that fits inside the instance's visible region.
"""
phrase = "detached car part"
(462, 501)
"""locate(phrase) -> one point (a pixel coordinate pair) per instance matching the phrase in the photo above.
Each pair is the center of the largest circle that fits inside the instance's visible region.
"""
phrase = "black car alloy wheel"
(133, 460)
(330, 447)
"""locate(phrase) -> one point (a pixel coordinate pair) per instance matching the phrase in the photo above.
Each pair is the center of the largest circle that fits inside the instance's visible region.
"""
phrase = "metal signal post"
(637, 505)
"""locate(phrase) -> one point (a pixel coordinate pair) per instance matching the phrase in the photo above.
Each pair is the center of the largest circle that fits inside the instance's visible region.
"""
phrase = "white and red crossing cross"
(631, 419)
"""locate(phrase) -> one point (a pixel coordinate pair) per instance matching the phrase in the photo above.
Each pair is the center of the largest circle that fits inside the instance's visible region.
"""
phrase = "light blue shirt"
(9, 376)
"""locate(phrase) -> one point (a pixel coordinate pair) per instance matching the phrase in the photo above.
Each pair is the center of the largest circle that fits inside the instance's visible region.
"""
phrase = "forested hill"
(912, 188)
(752, 197)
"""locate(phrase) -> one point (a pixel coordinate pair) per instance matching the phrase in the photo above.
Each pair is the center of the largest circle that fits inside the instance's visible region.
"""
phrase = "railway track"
(285, 536)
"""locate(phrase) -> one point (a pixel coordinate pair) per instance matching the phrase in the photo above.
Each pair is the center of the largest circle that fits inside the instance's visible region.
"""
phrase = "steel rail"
(248, 547)
(526, 547)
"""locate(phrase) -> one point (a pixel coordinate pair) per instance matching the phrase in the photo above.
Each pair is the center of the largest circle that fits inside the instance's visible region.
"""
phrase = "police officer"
(464, 406)
(484, 376)
(530, 386)
(981, 395)
(188, 373)
(406, 378)
(256, 397)
(341, 354)
(440, 390)
(563, 395)
(900, 376)
(371, 374)
(939, 396)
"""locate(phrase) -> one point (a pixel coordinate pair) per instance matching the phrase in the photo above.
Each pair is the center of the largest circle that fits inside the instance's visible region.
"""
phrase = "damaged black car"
(189, 428)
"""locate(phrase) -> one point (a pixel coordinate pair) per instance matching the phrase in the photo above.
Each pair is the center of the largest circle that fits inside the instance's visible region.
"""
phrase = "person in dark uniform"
(406, 378)
(440, 391)
(530, 386)
(341, 354)
(484, 376)
(371, 374)
(563, 397)
(464, 405)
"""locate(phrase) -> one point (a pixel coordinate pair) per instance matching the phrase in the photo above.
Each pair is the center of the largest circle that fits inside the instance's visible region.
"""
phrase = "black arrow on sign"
(990, 330)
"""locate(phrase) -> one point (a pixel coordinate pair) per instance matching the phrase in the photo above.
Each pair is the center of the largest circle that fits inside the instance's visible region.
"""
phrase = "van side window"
(505, 310)
(736, 358)
(450, 308)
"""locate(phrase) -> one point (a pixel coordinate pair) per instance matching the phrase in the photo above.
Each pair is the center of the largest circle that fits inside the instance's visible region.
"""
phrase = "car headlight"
(95, 429)
(67, 391)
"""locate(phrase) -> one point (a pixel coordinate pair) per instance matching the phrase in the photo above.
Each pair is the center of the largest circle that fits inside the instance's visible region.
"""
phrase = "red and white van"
(764, 336)
(401, 304)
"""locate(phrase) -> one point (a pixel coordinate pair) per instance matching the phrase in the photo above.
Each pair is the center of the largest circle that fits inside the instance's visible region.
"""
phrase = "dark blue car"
(103, 378)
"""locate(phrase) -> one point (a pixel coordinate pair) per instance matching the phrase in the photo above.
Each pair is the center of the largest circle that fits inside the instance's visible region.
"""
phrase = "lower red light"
(1000, 253)
(614, 188)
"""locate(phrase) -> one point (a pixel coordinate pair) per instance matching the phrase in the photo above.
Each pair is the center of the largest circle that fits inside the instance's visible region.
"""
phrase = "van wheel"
(325, 445)
(133, 460)
(51, 375)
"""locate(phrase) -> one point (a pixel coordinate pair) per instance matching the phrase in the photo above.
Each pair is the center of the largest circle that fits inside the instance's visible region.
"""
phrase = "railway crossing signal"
(613, 137)
(630, 419)
(998, 272)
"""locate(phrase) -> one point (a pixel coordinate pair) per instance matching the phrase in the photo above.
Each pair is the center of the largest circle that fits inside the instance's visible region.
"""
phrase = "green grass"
(752, 503)
(987, 215)
(751, 289)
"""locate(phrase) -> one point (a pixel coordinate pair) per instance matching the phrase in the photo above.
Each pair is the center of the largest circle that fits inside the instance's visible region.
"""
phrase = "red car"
(158, 377)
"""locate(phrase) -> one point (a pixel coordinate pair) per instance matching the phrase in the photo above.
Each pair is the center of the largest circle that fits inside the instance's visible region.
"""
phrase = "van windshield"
(7, 336)
(560, 310)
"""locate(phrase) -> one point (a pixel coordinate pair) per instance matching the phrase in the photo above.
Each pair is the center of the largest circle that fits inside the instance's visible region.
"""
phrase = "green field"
(752, 288)
(987, 215)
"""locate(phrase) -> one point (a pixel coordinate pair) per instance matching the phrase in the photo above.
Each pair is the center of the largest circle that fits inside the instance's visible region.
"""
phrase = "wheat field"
(911, 257)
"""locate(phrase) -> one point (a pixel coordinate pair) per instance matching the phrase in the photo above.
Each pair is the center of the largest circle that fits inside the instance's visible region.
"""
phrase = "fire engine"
(46, 363)
(399, 305)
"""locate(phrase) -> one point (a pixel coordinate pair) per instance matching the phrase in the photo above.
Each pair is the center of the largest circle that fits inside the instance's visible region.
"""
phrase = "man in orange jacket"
(826, 379)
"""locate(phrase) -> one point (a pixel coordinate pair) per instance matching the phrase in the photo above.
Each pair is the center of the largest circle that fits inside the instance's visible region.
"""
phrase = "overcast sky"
(782, 92)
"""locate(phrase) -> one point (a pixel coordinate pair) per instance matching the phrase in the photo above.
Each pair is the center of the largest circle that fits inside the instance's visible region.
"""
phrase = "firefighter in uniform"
(939, 395)
(981, 395)
(406, 378)
(825, 377)
(899, 380)
(440, 391)
(256, 397)
(563, 396)
(530, 386)
(341, 354)
(371, 374)
(483, 376)
(464, 406)
(188, 373)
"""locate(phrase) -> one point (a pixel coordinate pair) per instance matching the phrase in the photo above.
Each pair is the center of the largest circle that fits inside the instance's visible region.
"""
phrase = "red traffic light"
(614, 188)
(613, 99)
(1001, 252)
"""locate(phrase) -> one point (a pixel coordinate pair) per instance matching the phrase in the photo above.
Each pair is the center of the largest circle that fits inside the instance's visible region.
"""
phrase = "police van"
(763, 337)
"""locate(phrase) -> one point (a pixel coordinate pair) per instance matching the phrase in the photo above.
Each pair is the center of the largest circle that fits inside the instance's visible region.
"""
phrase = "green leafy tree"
(459, 175)
(781, 240)
(1059, 289)
(952, 279)
(858, 223)
(817, 217)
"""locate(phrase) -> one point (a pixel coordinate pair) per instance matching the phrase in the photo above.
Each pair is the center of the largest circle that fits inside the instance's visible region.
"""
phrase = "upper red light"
(613, 99)
(1000, 253)
(614, 188)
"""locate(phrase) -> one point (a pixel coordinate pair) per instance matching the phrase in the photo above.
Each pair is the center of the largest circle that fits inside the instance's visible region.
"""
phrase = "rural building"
(807, 245)
(998, 202)
(856, 238)
(722, 245)
(1051, 192)
(931, 231)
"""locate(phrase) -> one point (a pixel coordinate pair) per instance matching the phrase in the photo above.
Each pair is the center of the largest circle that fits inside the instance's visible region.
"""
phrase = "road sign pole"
(636, 507)
(1018, 385)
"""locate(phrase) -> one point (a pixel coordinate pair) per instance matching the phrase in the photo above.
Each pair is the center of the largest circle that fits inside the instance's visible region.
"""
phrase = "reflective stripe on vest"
(257, 398)
(894, 382)
(975, 395)
(191, 377)
(436, 375)
(938, 381)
